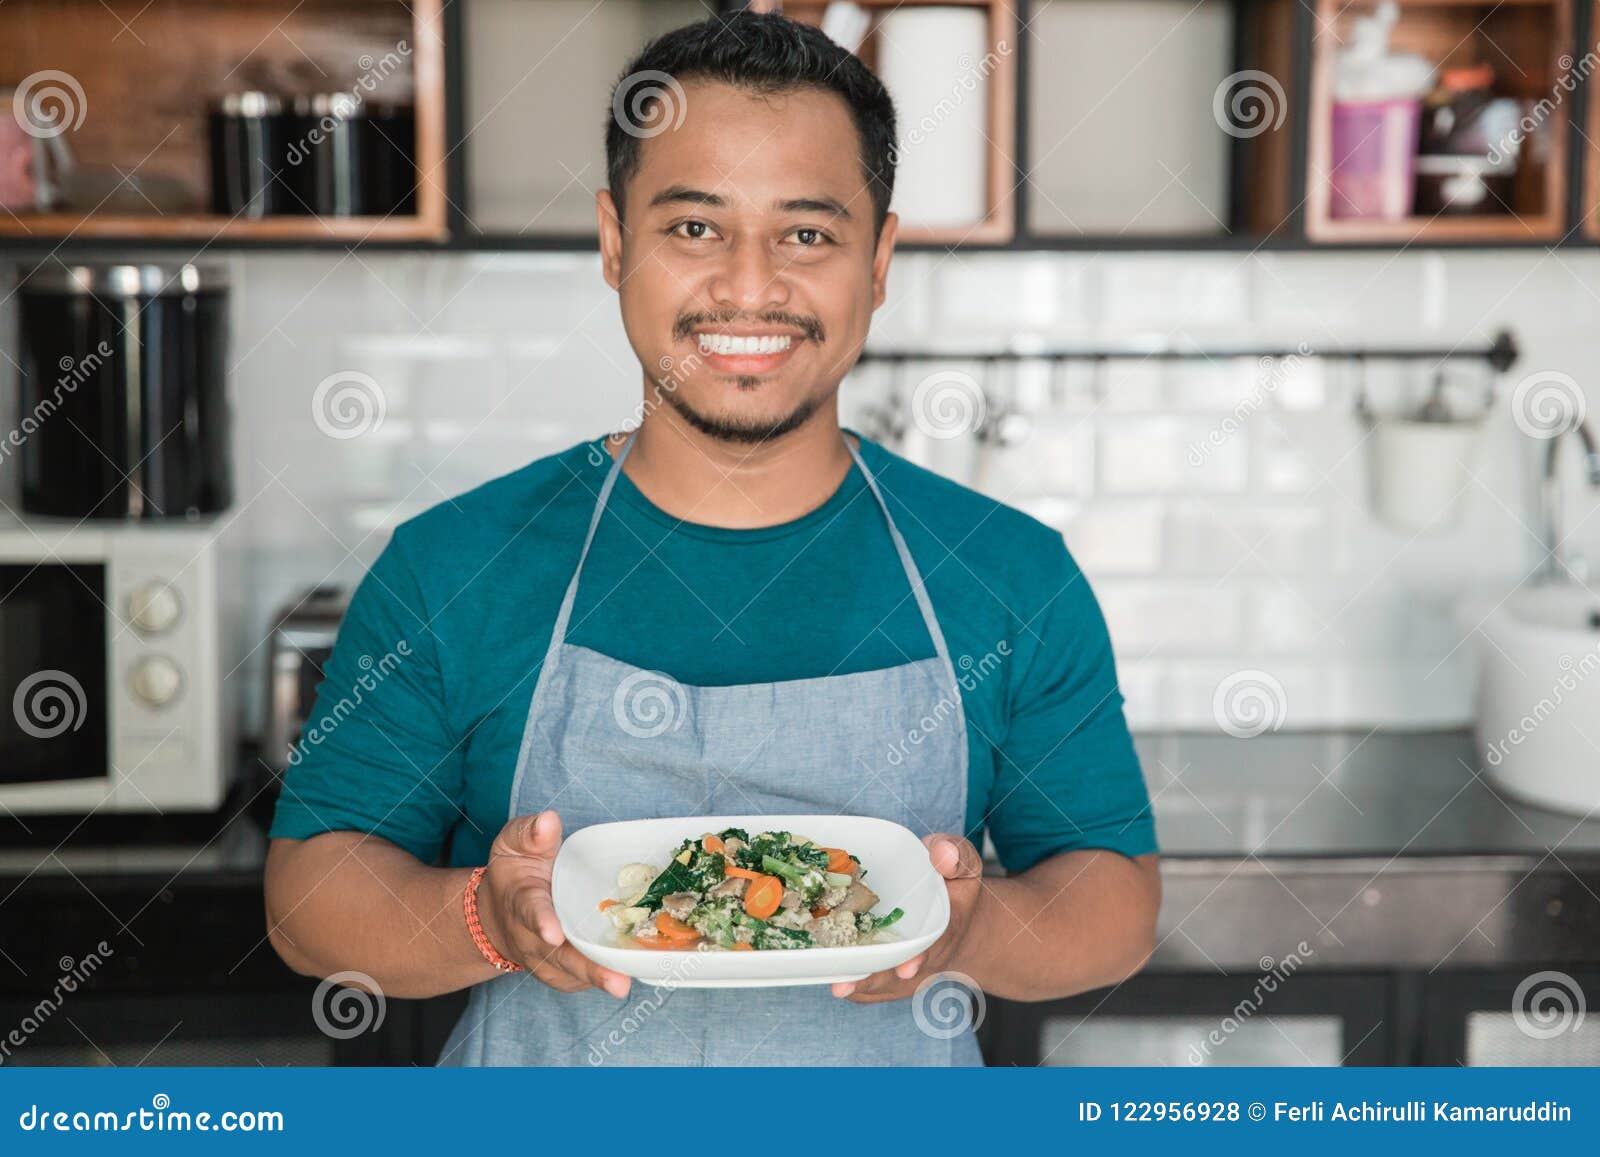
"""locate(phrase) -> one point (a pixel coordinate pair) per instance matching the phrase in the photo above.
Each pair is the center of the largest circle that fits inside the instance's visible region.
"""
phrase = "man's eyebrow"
(829, 205)
(684, 194)
(677, 193)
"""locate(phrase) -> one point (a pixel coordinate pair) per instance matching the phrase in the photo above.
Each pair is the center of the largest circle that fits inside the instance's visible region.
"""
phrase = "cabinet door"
(1308, 1019)
(1538, 1017)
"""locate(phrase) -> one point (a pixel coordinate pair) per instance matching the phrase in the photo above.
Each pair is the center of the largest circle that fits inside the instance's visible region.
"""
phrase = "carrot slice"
(742, 873)
(839, 860)
(674, 929)
(762, 897)
(607, 903)
(662, 943)
(738, 946)
(713, 844)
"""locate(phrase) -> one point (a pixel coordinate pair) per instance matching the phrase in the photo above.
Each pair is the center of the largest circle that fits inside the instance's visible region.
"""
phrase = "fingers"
(953, 858)
(539, 911)
(894, 984)
(586, 970)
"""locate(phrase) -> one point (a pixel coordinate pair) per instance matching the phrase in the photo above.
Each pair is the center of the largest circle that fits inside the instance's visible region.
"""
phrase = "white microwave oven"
(111, 668)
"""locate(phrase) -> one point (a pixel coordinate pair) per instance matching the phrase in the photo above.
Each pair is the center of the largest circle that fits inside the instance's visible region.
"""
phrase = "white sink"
(1539, 698)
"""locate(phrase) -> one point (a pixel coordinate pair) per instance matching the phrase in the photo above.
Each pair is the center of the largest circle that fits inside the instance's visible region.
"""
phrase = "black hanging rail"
(1500, 354)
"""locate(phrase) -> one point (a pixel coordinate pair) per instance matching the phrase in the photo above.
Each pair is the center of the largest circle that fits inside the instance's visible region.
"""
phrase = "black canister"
(352, 158)
(124, 410)
(248, 143)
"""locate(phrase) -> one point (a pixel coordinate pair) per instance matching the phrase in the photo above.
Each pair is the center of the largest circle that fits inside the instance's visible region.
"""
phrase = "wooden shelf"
(1590, 170)
(1525, 41)
(150, 71)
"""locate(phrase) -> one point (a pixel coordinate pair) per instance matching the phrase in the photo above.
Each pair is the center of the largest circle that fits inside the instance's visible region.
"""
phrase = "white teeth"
(727, 343)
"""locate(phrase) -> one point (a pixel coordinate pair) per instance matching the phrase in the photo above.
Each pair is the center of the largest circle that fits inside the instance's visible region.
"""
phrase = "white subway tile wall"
(1220, 507)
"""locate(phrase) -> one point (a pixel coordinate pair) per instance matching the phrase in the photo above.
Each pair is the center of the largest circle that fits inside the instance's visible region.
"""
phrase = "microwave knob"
(154, 607)
(156, 681)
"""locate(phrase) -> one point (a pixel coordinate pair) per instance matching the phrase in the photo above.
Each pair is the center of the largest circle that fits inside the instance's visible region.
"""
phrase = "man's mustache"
(684, 327)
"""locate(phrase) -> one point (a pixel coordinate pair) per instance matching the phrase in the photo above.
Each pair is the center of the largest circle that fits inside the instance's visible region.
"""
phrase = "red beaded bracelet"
(469, 905)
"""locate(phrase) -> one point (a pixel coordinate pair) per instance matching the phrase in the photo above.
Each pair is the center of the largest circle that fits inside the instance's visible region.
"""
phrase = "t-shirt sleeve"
(1068, 775)
(377, 754)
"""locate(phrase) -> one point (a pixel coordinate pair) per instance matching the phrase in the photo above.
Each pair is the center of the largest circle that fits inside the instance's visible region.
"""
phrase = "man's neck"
(698, 478)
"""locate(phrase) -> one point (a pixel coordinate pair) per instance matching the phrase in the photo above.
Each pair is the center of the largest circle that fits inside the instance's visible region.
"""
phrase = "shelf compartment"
(149, 72)
(1525, 41)
(998, 225)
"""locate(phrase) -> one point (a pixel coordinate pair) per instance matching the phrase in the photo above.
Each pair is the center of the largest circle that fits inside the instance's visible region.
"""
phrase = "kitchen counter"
(1377, 850)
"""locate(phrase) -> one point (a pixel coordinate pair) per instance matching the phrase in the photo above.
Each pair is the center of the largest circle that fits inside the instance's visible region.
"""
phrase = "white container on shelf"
(935, 62)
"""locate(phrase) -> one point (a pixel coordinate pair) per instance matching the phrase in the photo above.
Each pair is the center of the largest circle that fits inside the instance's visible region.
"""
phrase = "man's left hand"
(961, 866)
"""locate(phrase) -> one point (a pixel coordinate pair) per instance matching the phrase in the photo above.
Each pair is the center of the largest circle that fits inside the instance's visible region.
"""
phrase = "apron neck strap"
(919, 590)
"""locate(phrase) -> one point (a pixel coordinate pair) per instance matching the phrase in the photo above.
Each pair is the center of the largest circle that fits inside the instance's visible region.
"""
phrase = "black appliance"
(123, 391)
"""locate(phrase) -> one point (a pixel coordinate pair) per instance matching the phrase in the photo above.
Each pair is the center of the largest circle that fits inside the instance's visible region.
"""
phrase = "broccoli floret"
(734, 834)
(716, 919)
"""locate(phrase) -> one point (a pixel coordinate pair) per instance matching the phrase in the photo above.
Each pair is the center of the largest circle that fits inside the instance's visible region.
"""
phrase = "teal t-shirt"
(418, 720)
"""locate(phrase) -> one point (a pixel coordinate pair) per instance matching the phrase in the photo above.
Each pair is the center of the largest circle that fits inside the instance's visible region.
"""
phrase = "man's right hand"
(519, 917)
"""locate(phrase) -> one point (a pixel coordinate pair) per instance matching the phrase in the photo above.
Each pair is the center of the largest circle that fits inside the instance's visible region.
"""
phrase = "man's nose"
(751, 278)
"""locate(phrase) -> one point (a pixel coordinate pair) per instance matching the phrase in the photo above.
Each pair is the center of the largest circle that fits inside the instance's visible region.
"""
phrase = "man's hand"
(518, 916)
(962, 868)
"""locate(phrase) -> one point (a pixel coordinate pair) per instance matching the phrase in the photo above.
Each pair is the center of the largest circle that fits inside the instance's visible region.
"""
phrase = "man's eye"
(693, 230)
(810, 238)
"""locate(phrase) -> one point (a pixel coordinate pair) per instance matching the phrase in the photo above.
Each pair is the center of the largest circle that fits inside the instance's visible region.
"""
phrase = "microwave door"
(53, 691)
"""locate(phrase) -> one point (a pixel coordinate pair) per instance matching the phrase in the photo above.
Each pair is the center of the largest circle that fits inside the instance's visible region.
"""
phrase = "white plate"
(898, 870)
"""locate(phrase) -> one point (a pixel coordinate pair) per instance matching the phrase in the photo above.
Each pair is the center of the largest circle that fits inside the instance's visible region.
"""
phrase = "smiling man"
(739, 609)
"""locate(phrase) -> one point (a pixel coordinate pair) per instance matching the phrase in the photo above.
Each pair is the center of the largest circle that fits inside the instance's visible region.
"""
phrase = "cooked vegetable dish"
(726, 890)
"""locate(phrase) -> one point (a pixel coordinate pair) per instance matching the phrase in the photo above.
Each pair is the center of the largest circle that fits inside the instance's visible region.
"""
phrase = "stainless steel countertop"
(1343, 794)
(1370, 850)
(1373, 850)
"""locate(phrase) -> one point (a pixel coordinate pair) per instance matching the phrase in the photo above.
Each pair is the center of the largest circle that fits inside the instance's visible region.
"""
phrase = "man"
(739, 610)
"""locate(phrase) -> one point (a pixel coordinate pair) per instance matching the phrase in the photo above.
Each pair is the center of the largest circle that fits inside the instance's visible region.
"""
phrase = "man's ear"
(880, 259)
(610, 224)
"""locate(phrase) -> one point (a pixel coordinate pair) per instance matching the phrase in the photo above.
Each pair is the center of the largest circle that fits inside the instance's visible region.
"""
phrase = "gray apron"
(835, 744)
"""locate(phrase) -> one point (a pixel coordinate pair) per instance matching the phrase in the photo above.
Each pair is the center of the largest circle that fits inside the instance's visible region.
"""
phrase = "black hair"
(761, 52)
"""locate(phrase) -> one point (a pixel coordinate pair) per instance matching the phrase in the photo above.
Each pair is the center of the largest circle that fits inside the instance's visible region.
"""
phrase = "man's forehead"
(757, 150)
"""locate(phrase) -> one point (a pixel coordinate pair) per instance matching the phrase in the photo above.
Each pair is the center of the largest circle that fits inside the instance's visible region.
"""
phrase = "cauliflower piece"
(634, 880)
